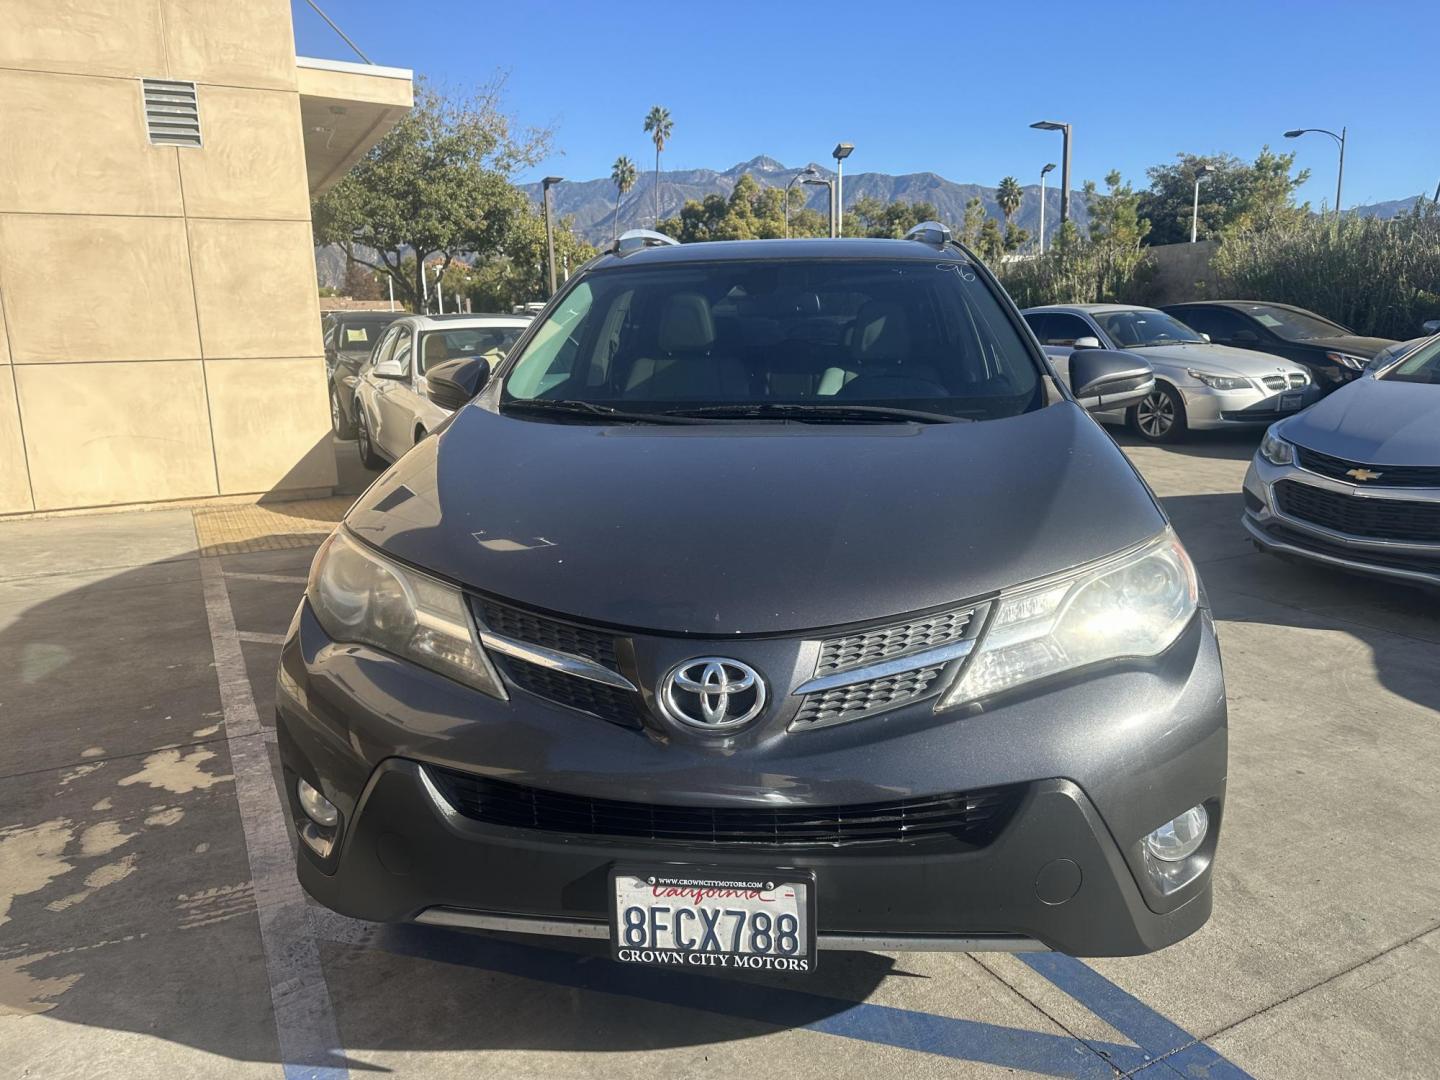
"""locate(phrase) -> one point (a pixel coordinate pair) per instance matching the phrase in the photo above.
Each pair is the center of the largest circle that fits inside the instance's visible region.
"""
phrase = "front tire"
(368, 457)
(1159, 417)
(340, 424)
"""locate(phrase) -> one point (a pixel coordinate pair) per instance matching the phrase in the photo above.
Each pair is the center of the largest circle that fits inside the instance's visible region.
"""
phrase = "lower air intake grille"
(607, 702)
(1379, 519)
(973, 818)
(862, 699)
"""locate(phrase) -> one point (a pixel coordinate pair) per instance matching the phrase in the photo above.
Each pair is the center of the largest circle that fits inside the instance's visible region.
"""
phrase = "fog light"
(1177, 840)
(320, 809)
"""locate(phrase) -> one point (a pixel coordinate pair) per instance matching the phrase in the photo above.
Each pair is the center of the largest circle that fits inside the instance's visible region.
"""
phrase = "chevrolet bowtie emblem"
(1363, 474)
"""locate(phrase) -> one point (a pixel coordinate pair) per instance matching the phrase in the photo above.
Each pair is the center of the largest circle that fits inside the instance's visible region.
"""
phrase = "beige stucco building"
(159, 320)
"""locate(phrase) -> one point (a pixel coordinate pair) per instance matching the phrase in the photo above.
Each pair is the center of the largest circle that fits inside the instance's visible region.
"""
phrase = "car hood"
(1363, 347)
(722, 529)
(1216, 359)
(1377, 421)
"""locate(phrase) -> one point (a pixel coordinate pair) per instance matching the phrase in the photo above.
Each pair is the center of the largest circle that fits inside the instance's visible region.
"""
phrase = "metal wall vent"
(172, 114)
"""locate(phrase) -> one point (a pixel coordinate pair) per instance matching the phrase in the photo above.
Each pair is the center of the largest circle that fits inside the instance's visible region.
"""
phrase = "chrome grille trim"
(898, 666)
(866, 647)
(565, 663)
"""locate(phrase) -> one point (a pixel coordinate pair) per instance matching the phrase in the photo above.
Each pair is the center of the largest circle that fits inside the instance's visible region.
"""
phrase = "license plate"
(695, 917)
(1290, 402)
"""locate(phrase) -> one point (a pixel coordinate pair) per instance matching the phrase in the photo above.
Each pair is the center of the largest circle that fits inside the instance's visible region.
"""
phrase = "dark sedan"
(349, 338)
(1334, 354)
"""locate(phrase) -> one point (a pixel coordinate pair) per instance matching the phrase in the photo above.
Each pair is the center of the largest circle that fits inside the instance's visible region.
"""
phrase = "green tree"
(749, 212)
(438, 184)
(1009, 195)
(517, 274)
(870, 216)
(973, 223)
(992, 241)
(623, 174)
(1015, 237)
(658, 126)
(1234, 195)
(360, 283)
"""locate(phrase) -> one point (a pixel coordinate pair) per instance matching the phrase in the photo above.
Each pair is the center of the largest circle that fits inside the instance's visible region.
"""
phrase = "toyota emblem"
(712, 693)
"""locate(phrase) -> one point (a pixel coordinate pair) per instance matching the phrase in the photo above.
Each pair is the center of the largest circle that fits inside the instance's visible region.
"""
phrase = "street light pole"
(545, 186)
(439, 290)
(1064, 129)
(1340, 141)
(818, 181)
(840, 153)
(1047, 169)
(1200, 171)
(809, 170)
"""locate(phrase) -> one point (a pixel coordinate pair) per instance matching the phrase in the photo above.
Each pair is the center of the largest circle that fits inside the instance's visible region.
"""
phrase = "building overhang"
(346, 109)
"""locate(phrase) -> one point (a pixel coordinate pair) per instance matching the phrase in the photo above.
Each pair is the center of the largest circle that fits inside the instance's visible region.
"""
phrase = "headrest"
(686, 324)
(882, 332)
(437, 349)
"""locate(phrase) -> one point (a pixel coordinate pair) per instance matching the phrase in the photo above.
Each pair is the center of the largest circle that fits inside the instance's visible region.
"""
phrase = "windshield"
(492, 342)
(1421, 366)
(779, 338)
(1145, 327)
(1295, 325)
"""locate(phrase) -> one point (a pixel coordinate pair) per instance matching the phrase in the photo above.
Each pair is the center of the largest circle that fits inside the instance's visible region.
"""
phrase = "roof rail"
(930, 232)
(635, 239)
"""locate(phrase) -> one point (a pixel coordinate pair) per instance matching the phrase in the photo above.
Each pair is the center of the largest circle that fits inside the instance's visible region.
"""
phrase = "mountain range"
(592, 202)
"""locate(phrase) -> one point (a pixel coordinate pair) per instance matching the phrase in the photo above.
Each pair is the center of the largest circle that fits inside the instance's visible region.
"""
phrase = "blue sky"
(945, 87)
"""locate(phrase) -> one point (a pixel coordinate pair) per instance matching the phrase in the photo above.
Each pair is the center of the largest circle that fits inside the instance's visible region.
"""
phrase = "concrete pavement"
(144, 927)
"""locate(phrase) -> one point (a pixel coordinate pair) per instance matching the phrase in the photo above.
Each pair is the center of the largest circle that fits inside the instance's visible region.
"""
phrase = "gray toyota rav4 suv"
(768, 597)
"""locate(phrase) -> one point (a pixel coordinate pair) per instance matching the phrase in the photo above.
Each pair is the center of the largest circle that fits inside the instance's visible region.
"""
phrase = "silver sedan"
(1198, 386)
(393, 412)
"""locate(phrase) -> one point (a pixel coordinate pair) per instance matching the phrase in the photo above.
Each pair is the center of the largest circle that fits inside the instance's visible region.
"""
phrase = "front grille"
(1275, 382)
(973, 818)
(1298, 378)
(548, 633)
(862, 699)
(1390, 475)
(607, 702)
(887, 642)
(1379, 519)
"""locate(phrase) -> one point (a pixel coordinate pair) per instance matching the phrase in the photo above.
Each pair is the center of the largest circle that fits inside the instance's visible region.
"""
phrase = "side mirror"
(1104, 379)
(1087, 343)
(1431, 326)
(1206, 337)
(1246, 337)
(388, 369)
(453, 383)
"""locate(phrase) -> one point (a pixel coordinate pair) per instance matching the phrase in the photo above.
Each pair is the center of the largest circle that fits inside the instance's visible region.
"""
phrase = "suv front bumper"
(1103, 760)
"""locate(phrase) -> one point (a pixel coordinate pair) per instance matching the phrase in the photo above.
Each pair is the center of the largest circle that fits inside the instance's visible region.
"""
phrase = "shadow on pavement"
(125, 883)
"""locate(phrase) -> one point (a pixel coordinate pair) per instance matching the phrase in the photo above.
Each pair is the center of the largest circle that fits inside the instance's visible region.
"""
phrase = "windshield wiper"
(802, 411)
(571, 407)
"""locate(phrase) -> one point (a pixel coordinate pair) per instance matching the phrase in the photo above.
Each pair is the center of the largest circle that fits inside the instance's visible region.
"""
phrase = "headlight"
(1131, 605)
(1219, 382)
(1276, 450)
(362, 598)
(1354, 363)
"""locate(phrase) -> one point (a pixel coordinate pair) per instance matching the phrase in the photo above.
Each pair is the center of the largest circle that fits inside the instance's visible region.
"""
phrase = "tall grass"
(1079, 272)
(1377, 277)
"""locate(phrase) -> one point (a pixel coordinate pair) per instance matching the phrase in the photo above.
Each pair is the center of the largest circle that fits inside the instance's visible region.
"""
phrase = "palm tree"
(1009, 196)
(623, 172)
(658, 126)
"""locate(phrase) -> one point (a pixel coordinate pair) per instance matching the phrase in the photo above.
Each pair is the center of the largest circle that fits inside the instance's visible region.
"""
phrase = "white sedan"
(393, 412)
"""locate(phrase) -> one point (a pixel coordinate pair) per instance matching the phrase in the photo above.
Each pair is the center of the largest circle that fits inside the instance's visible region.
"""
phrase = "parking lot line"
(1165, 1042)
(304, 1017)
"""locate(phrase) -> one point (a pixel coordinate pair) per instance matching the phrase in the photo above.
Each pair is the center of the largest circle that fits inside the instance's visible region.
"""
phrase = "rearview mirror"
(1104, 379)
(388, 369)
(1087, 343)
(455, 382)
